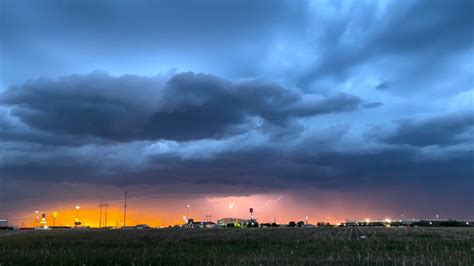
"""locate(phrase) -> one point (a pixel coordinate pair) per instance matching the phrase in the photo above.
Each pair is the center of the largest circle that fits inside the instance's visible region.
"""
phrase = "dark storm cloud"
(442, 130)
(206, 117)
(188, 106)
(426, 34)
(259, 168)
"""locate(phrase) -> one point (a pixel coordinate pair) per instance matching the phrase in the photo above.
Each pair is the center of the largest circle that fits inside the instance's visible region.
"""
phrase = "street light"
(77, 214)
(187, 210)
(36, 218)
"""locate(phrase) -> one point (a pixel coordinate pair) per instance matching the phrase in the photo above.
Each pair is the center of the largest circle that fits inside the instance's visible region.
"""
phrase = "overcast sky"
(239, 98)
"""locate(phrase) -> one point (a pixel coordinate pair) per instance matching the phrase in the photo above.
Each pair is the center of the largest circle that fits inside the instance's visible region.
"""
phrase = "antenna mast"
(125, 210)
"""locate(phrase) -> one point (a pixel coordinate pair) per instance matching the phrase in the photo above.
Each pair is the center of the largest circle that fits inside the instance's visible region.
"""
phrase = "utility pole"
(125, 210)
(100, 214)
(36, 218)
(106, 205)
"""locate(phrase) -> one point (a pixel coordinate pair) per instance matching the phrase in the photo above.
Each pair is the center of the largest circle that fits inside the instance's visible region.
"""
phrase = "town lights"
(43, 220)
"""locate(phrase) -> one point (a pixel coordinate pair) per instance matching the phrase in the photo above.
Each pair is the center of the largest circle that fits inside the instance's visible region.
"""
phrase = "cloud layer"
(197, 128)
(235, 99)
(186, 107)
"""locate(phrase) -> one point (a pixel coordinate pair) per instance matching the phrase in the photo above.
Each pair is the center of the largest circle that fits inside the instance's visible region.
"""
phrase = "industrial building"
(233, 221)
(4, 225)
(203, 224)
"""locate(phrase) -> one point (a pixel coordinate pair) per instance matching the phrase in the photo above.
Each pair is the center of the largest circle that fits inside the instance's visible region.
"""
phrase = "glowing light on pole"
(77, 222)
(187, 210)
(36, 218)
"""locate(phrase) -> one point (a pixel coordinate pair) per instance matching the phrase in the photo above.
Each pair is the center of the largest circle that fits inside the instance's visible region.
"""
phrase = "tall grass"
(257, 246)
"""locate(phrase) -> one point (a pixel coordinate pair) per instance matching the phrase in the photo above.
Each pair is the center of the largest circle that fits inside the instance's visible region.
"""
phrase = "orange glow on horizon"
(165, 212)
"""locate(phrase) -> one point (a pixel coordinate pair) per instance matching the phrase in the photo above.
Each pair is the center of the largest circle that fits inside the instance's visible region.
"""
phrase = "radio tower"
(125, 210)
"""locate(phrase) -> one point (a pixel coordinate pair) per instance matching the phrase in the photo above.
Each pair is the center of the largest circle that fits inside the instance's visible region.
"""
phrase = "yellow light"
(388, 220)
(367, 220)
(78, 207)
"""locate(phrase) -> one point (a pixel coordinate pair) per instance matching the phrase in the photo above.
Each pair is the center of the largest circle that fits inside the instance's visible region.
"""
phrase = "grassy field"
(265, 246)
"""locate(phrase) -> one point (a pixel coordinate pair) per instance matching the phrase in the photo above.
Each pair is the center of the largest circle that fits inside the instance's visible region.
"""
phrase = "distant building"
(203, 224)
(4, 225)
(3, 222)
(385, 222)
(352, 222)
(234, 221)
(409, 221)
(142, 226)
